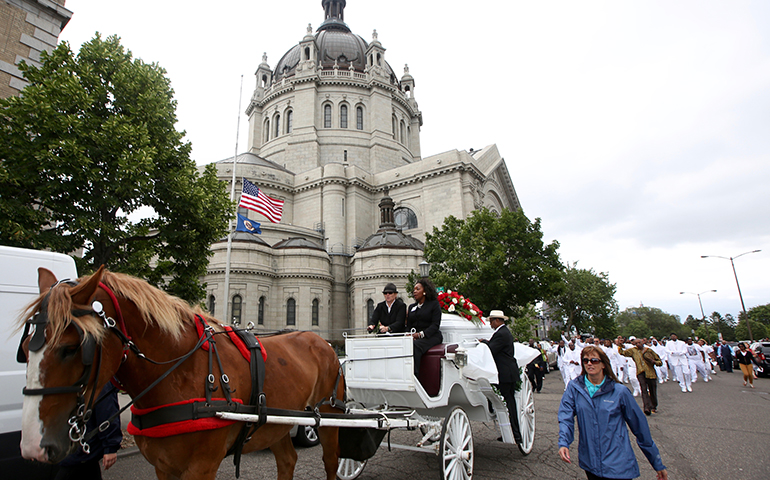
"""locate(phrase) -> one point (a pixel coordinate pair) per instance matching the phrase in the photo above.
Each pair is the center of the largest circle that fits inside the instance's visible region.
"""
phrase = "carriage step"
(499, 409)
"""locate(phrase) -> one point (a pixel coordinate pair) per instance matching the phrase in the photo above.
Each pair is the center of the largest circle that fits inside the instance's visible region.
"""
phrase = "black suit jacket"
(393, 319)
(426, 319)
(501, 345)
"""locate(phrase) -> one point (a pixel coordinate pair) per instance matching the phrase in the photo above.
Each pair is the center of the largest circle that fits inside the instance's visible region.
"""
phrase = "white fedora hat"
(497, 314)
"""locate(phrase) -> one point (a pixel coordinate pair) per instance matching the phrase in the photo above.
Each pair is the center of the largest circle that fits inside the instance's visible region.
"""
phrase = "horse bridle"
(88, 344)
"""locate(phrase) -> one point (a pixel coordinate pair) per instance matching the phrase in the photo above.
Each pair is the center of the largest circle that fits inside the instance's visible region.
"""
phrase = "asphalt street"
(721, 430)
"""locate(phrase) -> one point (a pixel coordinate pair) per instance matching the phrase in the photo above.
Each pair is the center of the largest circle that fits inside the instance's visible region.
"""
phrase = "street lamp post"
(740, 295)
(703, 315)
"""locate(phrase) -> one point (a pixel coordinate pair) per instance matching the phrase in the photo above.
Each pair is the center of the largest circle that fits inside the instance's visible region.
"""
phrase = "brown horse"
(300, 371)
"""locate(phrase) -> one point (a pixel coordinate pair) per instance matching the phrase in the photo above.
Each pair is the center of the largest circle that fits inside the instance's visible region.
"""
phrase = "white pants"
(631, 368)
(564, 370)
(698, 367)
(662, 372)
(682, 375)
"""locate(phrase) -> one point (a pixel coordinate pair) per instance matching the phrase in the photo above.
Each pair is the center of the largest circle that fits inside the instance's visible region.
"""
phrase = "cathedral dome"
(336, 45)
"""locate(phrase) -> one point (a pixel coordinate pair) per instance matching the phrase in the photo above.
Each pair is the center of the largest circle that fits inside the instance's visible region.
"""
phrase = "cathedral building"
(334, 132)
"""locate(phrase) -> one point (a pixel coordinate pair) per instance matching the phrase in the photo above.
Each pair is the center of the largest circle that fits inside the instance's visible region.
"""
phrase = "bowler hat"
(390, 288)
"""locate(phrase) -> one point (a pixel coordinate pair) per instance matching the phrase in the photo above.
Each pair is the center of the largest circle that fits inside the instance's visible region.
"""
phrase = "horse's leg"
(285, 457)
(163, 475)
(329, 437)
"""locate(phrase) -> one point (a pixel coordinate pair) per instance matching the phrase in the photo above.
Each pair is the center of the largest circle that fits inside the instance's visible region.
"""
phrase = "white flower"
(454, 300)
(451, 308)
(449, 292)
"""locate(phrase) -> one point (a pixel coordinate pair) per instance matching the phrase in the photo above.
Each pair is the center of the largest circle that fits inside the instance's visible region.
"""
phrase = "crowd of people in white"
(682, 361)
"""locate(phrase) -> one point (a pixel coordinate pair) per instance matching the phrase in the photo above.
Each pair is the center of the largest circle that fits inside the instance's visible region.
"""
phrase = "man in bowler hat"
(389, 315)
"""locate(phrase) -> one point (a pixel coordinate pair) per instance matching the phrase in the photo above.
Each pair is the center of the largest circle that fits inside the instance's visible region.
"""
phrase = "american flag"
(253, 199)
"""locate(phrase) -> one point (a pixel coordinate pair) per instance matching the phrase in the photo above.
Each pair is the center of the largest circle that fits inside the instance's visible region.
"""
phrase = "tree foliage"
(587, 302)
(760, 313)
(724, 325)
(498, 261)
(657, 322)
(89, 142)
(758, 331)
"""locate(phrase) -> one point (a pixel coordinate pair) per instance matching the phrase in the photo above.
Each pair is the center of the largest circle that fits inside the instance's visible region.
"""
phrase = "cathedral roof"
(297, 242)
(249, 158)
(336, 44)
(245, 237)
(391, 238)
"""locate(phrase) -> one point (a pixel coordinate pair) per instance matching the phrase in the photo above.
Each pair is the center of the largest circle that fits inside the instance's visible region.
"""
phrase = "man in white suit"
(677, 360)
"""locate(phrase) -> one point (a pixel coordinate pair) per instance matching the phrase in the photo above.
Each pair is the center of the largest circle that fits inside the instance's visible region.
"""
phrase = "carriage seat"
(430, 367)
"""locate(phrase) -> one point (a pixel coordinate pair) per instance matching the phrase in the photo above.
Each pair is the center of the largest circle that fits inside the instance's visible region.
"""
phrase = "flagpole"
(230, 221)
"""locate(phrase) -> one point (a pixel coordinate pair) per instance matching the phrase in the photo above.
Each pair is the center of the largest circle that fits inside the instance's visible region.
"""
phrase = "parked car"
(762, 355)
(304, 436)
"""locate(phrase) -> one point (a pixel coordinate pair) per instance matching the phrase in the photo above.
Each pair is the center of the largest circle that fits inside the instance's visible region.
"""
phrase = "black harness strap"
(257, 398)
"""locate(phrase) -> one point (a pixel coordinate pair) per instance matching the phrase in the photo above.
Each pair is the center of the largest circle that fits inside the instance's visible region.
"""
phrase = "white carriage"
(448, 395)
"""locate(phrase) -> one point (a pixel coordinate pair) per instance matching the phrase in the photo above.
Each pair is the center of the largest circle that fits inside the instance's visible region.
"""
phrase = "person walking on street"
(536, 370)
(646, 360)
(745, 359)
(696, 357)
(726, 352)
(571, 362)
(501, 346)
(605, 411)
(677, 359)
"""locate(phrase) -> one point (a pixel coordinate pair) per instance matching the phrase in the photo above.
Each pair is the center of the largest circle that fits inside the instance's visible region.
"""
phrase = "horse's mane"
(169, 313)
(157, 307)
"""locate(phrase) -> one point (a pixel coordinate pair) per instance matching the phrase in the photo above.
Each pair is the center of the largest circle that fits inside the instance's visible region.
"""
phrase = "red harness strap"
(237, 341)
(179, 427)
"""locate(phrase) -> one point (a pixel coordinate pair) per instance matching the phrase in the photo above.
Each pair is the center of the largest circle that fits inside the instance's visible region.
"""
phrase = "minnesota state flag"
(246, 225)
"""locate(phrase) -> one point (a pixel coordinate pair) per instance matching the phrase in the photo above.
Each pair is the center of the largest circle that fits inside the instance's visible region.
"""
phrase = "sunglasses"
(592, 360)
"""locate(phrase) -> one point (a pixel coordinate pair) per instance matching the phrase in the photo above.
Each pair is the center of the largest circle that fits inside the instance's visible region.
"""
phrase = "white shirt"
(677, 353)
(695, 353)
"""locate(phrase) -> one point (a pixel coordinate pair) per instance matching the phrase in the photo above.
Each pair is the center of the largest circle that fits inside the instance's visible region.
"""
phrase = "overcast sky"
(639, 132)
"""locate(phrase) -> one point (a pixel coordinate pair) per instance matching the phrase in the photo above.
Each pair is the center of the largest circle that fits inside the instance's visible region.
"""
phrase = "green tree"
(524, 324)
(586, 302)
(92, 140)
(660, 323)
(724, 325)
(498, 261)
(758, 330)
(760, 313)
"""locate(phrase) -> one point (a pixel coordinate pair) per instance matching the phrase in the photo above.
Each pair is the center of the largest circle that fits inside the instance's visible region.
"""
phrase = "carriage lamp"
(461, 357)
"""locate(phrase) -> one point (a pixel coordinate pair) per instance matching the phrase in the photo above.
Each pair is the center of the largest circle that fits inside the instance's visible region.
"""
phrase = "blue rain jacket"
(604, 448)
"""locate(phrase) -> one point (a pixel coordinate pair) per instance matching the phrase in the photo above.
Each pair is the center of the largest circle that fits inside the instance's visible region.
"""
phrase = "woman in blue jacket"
(603, 407)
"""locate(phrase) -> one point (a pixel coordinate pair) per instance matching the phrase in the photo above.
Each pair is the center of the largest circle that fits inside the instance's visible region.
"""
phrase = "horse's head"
(67, 364)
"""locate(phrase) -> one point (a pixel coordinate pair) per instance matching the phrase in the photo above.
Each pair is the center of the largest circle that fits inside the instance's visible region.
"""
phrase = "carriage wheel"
(525, 403)
(456, 447)
(349, 469)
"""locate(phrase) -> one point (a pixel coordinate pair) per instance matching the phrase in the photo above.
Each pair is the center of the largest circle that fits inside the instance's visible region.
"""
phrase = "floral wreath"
(453, 302)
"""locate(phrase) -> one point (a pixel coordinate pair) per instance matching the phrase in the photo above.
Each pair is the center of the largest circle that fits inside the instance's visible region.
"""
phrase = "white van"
(18, 287)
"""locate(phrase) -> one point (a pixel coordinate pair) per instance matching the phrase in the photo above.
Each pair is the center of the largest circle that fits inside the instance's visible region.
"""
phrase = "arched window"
(212, 304)
(307, 53)
(277, 126)
(236, 313)
(395, 128)
(359, 118)
(291, 312)
(264, 81)
(403, 132)
(343, 116)
(408, 137)
(369, 309)
(289, 121)
(405, 218)
(327, 116)
(261, 311)
(314, 316)
(267, 130)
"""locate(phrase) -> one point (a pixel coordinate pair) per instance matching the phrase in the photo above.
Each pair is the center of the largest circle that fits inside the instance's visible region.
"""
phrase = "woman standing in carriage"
(424, 316)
